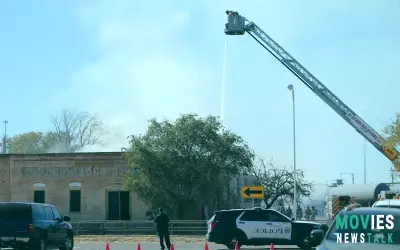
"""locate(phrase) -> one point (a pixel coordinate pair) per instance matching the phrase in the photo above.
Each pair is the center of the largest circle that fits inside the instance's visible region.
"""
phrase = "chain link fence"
(141, 227)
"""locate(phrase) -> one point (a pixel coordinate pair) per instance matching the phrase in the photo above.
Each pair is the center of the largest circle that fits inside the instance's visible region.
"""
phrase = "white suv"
(387, 203)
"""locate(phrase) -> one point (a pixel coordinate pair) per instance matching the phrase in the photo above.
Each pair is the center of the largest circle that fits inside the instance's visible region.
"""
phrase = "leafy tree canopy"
(392, 139)
(392, 132)
(27, 143)
(178, 164)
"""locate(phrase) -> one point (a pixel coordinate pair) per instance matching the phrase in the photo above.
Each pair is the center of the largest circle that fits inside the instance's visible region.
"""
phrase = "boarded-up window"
(39, 196)
(75, 201)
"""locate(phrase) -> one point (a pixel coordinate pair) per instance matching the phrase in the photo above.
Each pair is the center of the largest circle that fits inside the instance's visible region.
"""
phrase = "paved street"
(155, 246)
(151, 243)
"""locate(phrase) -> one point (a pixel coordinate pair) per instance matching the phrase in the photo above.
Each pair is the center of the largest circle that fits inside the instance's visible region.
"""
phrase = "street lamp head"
(290, 87)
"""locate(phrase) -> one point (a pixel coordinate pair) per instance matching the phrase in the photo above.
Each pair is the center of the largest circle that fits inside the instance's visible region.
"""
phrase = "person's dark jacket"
(162, 222)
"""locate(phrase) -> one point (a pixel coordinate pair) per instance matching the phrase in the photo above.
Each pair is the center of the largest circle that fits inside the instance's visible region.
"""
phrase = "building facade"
(84, 186)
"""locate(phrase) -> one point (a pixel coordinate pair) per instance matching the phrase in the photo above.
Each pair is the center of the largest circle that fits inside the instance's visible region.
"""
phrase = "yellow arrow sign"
(252, 192)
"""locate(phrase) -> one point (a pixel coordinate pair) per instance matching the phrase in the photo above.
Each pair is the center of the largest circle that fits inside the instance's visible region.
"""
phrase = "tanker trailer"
(344, 195)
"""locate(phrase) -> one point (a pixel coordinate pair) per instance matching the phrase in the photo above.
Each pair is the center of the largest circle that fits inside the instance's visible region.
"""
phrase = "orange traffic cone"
(205, 246)
(107, 246)
(138, 246)
(272, 246)
(172, 246)
(237, 246)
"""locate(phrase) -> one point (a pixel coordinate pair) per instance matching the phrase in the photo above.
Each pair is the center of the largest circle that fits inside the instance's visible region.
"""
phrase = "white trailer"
(364, 194)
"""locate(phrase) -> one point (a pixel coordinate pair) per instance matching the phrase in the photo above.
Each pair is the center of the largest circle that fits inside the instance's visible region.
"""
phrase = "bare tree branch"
(279, 182)
(74, 131)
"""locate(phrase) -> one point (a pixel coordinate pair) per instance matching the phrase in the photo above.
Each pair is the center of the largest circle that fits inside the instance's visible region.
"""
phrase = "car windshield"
(368, 234)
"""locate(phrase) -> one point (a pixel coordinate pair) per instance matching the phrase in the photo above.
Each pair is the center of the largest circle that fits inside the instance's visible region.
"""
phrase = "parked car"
(378, 237)
(257, 227)
(34, 226)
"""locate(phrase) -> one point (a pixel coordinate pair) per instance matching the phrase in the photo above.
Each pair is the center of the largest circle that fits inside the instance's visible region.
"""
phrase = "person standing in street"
(308, 213)
(314, 213)
(162, 227)
(289, 212)
(299, 212)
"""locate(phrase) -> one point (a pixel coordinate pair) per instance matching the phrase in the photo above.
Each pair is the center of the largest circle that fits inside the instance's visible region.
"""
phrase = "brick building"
(85, 186)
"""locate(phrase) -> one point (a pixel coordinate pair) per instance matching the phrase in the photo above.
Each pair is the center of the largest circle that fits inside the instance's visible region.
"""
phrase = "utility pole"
(392, 176)
(392, 173)
(365, 161)
(5, 137)
(291, 89)
(352, 176)
(365, 153)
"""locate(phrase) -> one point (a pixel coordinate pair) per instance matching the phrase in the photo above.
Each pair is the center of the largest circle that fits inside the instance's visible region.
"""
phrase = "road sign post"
(252, 192)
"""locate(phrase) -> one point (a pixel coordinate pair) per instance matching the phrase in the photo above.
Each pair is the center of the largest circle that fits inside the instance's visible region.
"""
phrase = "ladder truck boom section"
(239, 25)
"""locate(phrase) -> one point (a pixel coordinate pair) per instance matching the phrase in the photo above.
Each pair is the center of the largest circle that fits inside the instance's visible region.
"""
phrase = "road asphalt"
(155, 246)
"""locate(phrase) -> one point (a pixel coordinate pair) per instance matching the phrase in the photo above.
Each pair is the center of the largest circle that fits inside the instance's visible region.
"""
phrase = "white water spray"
(222, 111)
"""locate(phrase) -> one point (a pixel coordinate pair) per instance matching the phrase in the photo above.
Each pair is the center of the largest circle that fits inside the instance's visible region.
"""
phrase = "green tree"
(179, 164)
(26, 143)
(392, 132)
(279, 182)
(392, 139)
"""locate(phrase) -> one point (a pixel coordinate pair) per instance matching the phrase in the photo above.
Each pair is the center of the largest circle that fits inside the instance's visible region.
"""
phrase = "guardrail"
(140, 227)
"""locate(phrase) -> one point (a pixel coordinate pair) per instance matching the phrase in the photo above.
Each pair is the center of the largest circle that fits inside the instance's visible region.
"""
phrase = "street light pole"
(352, 176)
(365, 154)
(365, 161)
(291, 88)
(392, 174)
(5, 137)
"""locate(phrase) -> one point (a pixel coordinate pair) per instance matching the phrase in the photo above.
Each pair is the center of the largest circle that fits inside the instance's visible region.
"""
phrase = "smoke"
(115, 138)
(152, 59)
(145, 67)
(98, 148)
(58, 148)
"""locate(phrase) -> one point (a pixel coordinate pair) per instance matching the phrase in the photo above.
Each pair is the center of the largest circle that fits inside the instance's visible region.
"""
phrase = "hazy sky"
(133, 60)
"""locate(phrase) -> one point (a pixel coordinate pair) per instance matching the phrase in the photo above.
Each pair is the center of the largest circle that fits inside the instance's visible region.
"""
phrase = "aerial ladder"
(239, 25)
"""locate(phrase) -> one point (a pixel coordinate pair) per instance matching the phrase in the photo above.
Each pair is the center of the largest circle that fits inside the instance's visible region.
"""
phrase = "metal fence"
(141, 227)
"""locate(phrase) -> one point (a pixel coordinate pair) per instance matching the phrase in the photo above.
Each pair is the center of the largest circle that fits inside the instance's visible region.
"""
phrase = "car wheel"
(304, 242)
(68, 243)
(232, 240)
(41, 244)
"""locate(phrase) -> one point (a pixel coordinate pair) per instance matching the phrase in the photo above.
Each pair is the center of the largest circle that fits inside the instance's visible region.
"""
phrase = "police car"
(257, 227)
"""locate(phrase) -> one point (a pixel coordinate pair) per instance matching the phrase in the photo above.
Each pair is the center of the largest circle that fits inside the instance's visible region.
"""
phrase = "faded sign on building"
(73, 172)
